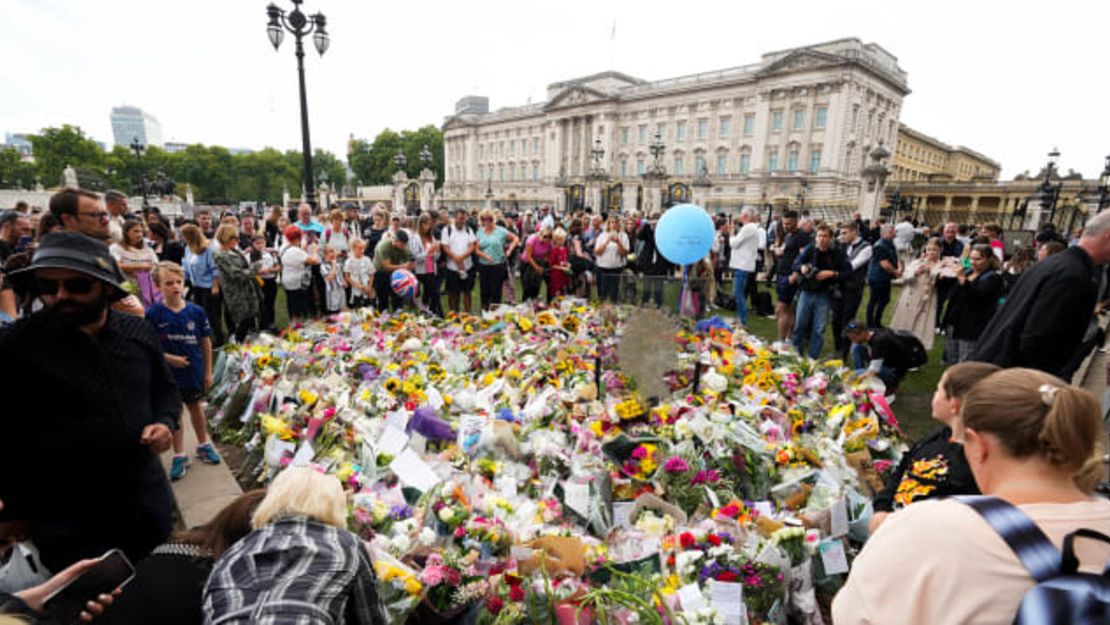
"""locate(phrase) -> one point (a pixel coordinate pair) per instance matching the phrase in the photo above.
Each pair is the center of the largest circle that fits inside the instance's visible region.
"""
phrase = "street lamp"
(426, 156)
(400, 160)
(1049, 193)
(656, 172)
(138, 149)
(300, 25)
(803, 185)
(597, 173)
(1104, 186)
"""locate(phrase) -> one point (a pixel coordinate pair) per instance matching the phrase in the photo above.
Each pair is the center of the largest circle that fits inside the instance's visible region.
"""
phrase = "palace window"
(678, 165)
(624, 168)
(799, 119)
(723, 127)
(814, 160)
(819, 116)
(699, 165)
(641, 134)
(703, 129)
(749, 124)
(773, 159)
(745, 163)
(792, 160)
(624, 135)
(639, 167)
(776, 121)
(680, 132)
(722, 164)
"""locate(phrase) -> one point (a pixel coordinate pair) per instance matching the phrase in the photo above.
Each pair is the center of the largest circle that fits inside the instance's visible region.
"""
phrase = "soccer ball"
(404, 283)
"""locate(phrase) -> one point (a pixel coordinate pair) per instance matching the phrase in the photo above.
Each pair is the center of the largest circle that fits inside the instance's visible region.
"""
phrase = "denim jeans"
(739, 288)
(876, 304)
(608, 284)
(812, 316)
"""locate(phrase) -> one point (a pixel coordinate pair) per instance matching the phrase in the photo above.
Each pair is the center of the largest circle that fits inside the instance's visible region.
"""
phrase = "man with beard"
(83, 211)
(92, 405)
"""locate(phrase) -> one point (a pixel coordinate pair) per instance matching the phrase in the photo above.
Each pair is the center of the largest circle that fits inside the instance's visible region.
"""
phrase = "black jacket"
(934, 467)
(1045, 315)
(168, 589)
(649, 260)
(973, 304)
(832, 259)
(71, 461)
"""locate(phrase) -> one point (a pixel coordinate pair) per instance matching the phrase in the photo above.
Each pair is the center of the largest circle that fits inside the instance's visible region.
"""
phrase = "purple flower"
(400, 512)
(425, 422)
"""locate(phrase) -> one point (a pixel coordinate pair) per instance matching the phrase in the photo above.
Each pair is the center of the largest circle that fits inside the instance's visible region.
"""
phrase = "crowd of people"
(113, 320)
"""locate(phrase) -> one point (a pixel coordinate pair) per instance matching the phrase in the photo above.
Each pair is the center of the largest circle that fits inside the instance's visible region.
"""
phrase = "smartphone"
(23, 243)
(65, 604)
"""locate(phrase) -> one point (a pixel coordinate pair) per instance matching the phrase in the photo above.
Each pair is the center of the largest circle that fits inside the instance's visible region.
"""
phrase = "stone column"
(427, 189)
(399, 182)
(947, 207)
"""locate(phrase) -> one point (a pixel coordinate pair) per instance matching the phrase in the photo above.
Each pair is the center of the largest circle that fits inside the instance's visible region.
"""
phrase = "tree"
(55, 148)
(262, 175)
(326, 167)
(15, 173)
(373, 163)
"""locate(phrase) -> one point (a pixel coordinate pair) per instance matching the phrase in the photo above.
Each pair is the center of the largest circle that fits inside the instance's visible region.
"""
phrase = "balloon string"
(682, 293)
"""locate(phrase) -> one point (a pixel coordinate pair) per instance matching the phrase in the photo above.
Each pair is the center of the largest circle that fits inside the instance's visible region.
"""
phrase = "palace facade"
(794, 128)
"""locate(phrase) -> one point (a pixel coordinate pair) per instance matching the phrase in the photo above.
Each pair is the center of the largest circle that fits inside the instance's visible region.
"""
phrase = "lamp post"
(426, 156)
(597, 173)
(1104, 186)
(1049, 193)
(138, 149)
(400, 160)
(803, 185)
(300, 25)
(657, 172)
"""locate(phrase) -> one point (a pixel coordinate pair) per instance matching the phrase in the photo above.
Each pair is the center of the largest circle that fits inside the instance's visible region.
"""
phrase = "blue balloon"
(684, 234)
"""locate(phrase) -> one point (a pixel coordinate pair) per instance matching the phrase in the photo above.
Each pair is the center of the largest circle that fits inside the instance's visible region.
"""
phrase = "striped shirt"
(294, 571)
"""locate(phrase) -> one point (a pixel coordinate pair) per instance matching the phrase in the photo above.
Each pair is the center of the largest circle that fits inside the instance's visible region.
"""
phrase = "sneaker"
(207, 453)
(178, 467)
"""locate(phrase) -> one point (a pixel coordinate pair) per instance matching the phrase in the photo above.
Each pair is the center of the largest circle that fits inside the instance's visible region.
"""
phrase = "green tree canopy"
(15, 173)
(54, 148)
(372, 162)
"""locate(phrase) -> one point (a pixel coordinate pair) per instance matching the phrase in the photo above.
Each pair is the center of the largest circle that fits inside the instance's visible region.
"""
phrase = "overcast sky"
(1008, 80)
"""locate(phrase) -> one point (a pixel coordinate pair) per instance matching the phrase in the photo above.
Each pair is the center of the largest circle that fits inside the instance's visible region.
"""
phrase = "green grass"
(913, 408)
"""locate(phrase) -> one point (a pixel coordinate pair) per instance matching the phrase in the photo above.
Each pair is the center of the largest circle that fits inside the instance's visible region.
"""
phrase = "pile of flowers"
(503, 464)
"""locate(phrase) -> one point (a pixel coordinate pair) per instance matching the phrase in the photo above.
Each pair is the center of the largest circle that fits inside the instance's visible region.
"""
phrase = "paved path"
(205, 489)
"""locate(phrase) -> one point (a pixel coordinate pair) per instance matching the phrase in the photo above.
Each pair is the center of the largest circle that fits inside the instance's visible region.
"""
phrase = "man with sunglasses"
(94, 406)
(83, 211)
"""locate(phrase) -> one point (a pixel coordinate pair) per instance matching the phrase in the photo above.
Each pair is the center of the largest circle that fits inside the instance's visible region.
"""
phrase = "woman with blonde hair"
(917, 305)
(203, 278)
(239, 278)
(1026, 435)
(300, 564)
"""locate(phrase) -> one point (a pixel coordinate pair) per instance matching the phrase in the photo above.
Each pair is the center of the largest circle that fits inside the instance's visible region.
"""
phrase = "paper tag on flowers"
(691, 598)
(577, 497)
(413, 471)
(838, 518)
(621, 511)
(833, 558)
(728, 599)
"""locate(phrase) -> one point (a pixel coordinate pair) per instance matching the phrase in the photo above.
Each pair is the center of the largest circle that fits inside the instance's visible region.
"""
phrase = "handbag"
(22, 569)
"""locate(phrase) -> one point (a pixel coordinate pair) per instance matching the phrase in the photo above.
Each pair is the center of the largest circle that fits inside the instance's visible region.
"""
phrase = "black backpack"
(1062, 594)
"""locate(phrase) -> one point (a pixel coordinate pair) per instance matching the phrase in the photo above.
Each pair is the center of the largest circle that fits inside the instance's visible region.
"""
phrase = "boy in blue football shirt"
(185, 333)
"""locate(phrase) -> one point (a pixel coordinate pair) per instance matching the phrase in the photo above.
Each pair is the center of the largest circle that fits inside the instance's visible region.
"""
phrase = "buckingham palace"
(794, 129)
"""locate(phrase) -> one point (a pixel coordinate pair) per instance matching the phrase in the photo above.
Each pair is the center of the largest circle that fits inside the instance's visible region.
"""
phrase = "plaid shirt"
(294, 571)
